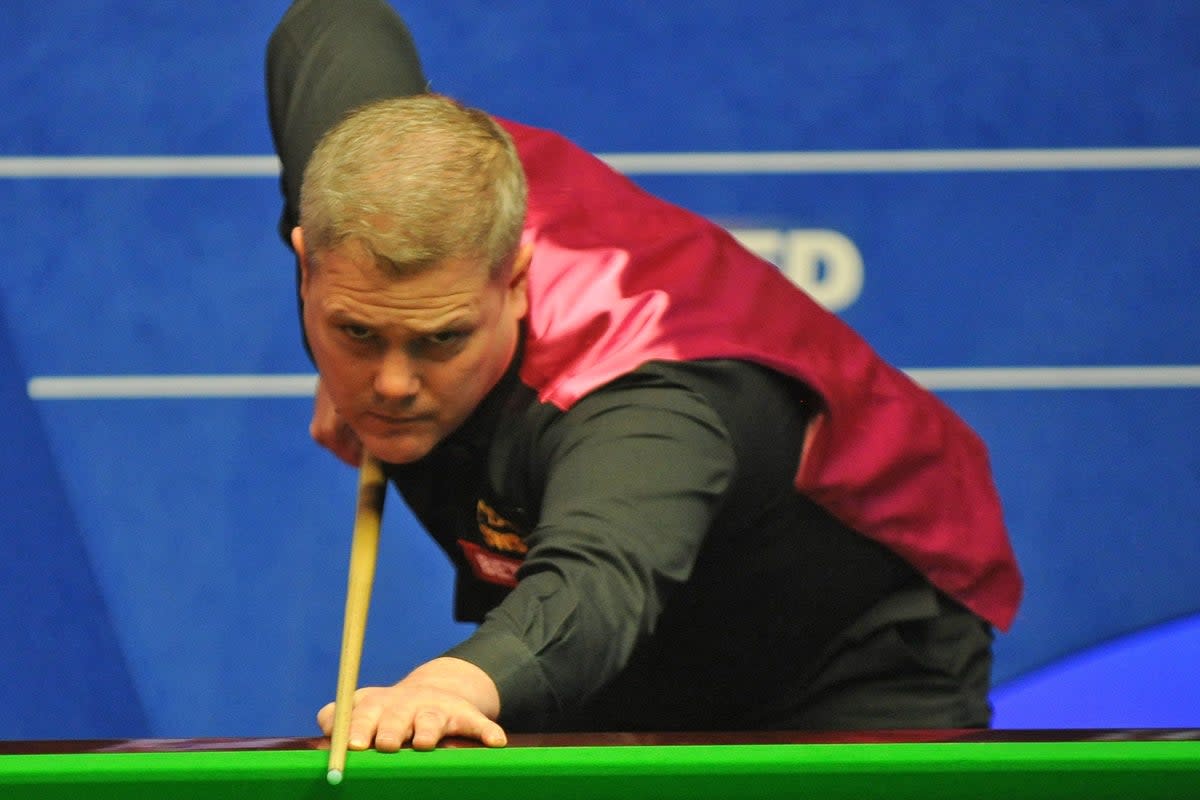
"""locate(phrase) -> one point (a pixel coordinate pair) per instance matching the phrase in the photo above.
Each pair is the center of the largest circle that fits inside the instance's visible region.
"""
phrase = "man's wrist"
(526, 697)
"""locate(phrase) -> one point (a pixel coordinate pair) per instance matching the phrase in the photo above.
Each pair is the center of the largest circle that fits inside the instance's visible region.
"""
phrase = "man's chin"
(399, 449)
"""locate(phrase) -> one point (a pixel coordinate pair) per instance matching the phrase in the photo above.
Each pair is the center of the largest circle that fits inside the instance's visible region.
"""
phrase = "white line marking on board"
(130, 387)
(774, 163)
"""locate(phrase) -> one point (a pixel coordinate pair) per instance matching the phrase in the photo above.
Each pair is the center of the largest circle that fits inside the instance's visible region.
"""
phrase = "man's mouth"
(390, 419)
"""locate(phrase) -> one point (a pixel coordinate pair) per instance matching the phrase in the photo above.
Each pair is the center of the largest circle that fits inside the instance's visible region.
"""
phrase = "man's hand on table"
(443, 697)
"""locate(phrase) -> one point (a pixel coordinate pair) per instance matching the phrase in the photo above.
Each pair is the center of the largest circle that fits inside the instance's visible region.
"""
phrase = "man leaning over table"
(677, 493)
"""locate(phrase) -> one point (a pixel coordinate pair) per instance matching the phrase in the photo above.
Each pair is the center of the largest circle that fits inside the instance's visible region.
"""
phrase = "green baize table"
(922, 765)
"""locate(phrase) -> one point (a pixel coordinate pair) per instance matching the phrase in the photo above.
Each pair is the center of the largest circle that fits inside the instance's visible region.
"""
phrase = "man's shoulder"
(744, 395)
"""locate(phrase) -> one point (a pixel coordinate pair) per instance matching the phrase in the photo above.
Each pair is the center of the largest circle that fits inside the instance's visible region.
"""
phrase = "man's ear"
(518, 278)
(301, 258)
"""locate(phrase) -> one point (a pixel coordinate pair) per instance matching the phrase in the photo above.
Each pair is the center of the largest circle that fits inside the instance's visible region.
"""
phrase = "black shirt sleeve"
(633, 477)
(324, 59)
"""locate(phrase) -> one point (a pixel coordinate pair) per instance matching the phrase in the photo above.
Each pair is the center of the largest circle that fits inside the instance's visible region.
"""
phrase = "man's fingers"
(389, 739)
(492, 734)
(325, 719)
(389, 718)
(350, 450)
(338, 439)
(330, 431)
(477, 726)
(429, 726)
(365, 720)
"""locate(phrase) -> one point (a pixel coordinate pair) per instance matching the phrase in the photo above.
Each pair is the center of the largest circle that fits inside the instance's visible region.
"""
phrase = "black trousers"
(916, 657)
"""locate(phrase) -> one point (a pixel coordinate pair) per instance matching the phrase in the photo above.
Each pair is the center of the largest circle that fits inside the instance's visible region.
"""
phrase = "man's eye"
(357, 332)
(446, 338)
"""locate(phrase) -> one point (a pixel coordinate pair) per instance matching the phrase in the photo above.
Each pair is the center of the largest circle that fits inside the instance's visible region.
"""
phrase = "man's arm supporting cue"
(324, 59)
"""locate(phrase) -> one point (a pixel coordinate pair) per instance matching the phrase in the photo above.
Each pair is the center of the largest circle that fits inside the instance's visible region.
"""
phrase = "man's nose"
(396, 378)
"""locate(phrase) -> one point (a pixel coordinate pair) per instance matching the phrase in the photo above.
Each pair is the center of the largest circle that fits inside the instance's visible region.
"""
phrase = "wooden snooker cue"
(364, 550)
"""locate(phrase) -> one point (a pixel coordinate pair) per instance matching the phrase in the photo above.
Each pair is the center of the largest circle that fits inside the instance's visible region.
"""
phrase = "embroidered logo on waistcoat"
(498, 533)
(498, 556)
(490, 567)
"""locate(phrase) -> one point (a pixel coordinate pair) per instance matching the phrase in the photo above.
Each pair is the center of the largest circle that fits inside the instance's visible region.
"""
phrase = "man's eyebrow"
(454, 320)
(345, 315)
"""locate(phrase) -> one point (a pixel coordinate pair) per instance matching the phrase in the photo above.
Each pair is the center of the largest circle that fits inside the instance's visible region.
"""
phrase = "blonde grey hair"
(415, 181)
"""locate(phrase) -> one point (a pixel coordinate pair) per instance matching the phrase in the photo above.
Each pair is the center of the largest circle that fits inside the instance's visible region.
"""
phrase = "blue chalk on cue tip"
(334, 776)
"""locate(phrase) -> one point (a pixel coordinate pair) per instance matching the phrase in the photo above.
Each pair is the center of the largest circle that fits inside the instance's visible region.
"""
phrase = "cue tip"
(334, 776)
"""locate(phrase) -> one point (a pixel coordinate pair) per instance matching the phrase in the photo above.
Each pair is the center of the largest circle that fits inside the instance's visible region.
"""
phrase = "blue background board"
(176, 566)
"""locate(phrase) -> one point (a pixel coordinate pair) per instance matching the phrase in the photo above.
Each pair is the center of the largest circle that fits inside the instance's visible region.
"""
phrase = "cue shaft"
(364, 551)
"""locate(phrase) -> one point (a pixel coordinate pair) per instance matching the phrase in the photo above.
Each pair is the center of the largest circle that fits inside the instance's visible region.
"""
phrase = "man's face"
(407, 359)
